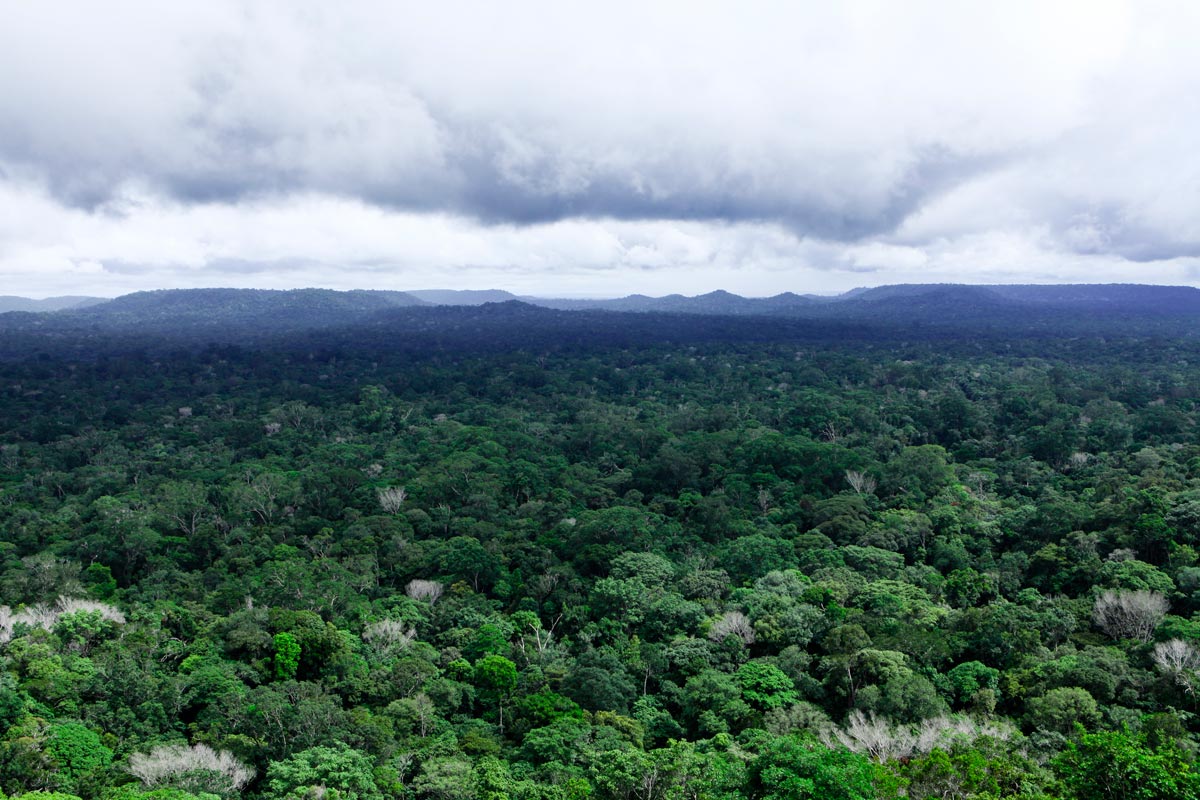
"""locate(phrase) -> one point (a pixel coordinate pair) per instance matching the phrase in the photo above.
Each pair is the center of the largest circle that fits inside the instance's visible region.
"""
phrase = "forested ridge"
(516, 553)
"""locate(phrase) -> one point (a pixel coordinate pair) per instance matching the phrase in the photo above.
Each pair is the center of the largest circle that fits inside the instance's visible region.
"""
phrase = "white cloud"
(579, 149)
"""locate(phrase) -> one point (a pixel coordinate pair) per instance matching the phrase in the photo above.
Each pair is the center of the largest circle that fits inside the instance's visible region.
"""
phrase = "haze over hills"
(463, 297)
(13, 303)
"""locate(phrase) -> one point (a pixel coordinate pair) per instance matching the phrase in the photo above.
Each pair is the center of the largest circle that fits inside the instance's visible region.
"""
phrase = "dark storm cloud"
(476, 175)
(269, 101)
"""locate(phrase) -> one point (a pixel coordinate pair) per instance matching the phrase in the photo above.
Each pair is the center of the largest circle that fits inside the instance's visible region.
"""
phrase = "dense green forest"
(789, 561)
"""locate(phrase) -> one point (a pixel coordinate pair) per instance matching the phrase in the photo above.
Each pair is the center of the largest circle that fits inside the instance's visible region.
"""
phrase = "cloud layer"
(558, 149)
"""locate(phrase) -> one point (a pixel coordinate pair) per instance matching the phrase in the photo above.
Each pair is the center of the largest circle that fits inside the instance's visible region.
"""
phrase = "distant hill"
(265, 308)
(462, 297)
(933, 303)
(1126, 297)
(12, 303)
(719, 302)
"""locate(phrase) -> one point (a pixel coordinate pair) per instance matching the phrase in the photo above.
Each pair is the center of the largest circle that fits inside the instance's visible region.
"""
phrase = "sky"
(598, 149)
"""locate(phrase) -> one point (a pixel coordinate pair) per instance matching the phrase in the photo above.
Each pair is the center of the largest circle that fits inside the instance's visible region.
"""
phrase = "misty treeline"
(798, 568)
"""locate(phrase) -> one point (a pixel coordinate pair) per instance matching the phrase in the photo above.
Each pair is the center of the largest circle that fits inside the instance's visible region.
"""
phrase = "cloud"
(816, 140)
(143, 241)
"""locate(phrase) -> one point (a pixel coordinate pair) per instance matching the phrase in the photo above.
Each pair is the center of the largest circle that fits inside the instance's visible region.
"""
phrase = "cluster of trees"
(864, 569)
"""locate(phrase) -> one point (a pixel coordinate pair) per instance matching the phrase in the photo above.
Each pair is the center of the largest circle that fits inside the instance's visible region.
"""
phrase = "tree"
(1129, 615)
(792, 768)
(389, 636)
(1060, 710)
(287, 656)
(765, 686)
(496, 678)
(429, 591)
(876, 737)
(77, 751)
(1180, 661)
(319, 770)
(732, 623)
(198, 768)
(971, 677)
(1114, 765)
(391, 499)
(861, 482)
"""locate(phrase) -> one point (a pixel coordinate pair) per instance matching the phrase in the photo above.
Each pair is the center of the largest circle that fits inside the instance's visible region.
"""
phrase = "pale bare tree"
(765, 501)
(389, 635)
(876, 737)
(1180, 661)
(391, 499)
(1129, 614)
(883, 740)
(861, 482)
(73, 605)
(38, 615)
(41, 615)
(198, 768)
(732, 623)
(419, 589)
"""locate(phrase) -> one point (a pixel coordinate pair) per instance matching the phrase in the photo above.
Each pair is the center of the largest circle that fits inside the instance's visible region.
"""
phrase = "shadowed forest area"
(517, 552)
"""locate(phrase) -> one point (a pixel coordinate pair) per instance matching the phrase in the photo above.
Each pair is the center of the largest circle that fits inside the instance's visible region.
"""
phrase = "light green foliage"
(287, 656)
(496, 679)
(76, 750)
(135, 792)
(453, 778)
(339, 771)
(1135, 575)
(792, 768)
(765, 686)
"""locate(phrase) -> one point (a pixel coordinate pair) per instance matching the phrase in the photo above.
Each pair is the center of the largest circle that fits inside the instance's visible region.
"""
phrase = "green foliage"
(792, 768)
(135, 792)
(1060, 710)
(286, 660)
(765, 686)
(338, 772)
(1113, 764)
(971, 677)
(76, 751)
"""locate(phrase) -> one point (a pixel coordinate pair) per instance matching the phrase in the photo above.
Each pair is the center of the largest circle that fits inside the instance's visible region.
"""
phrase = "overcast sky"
(579, 149)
